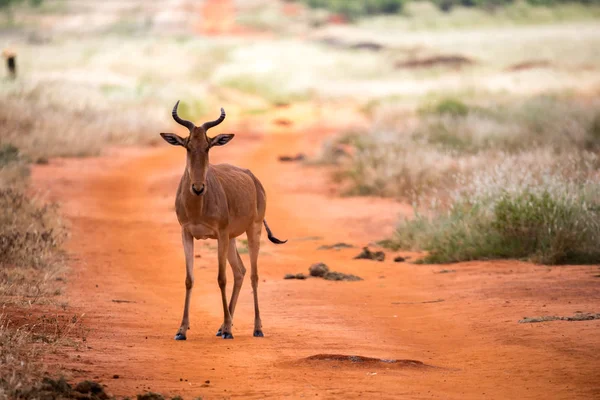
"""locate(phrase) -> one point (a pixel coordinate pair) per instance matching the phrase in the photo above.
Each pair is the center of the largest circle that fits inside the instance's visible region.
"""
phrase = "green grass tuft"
(545, 226)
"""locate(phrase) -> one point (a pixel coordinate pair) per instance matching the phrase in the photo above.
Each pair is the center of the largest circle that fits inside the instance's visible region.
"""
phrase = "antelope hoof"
(180, 336)
(258, 333)
(220, 332)
(227, 335)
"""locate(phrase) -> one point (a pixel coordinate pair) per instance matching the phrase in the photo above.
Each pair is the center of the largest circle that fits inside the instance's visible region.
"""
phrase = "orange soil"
(126, 246)
(218, 17)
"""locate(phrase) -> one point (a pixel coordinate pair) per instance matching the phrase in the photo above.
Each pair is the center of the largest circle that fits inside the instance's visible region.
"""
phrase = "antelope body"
(218, 202)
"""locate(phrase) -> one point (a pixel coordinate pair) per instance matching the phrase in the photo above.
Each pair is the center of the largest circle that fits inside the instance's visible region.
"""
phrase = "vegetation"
(552, 219)
(498, 179)
(8, 3)
(353, 9)
(415, 157)
(358, 8)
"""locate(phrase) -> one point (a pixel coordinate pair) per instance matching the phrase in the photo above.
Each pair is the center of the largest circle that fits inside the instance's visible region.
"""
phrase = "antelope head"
(197, 145)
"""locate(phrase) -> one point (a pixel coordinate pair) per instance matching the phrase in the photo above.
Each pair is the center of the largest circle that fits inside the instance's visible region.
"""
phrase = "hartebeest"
(218, 202)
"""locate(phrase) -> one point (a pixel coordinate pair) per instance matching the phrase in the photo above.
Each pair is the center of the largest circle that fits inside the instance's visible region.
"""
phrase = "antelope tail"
(270, 234)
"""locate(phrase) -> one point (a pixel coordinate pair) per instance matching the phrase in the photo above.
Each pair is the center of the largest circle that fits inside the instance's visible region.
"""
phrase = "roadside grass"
(31, 235)
(549, 216)
(43, 120)
(500, 178)
(410, 157)
(31, 281)
(420, 15)
(23, 345)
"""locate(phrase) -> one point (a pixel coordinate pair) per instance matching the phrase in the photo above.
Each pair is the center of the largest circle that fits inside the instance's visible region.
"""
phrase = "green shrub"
(357, 8)
(447, 106)
(592, 140)
(8, 154)
(8, 3)
(556, 221)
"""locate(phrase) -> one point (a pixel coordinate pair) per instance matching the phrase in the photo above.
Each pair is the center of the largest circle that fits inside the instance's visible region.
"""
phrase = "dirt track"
(126, 246)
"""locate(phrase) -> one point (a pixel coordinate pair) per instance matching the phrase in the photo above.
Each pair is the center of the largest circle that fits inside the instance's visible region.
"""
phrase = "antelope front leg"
(188, 249)
(222, 279)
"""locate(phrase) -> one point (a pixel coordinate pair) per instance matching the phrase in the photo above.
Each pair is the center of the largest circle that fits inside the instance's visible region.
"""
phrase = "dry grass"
(49, 120)
(512, 178)
(411, 157)
(23, 346)
(30, 233)
(514, 209)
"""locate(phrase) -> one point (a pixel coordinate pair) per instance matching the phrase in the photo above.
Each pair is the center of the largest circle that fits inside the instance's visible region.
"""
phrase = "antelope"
(218, 202)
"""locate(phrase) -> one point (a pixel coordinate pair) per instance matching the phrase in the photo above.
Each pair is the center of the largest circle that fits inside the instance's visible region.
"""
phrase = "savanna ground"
(466, 142)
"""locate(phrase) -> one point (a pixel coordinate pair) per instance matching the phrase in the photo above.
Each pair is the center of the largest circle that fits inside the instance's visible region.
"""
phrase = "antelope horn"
(210, 124)
(187, 124)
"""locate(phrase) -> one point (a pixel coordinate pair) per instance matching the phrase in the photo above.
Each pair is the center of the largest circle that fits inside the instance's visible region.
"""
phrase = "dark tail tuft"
(270, 235)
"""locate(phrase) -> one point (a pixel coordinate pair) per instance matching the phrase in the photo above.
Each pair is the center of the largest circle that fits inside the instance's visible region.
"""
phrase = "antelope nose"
(198, 191)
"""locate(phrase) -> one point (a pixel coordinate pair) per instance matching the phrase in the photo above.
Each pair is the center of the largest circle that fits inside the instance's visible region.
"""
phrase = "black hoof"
(227, 335)
(258, 333)
(180, 336)
(219, 332)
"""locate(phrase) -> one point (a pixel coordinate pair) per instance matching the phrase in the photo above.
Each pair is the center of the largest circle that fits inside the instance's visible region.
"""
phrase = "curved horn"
(210, 124)
(187, 124)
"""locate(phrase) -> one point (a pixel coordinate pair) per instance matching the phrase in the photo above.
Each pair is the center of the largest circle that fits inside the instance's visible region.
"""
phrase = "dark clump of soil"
(367, 46)
(399, 259)
(357, 361)
(454, 61)
(150, 396)
(339, 276)
(529, 65)
(61, 389)
(91, 387)
(295, 276)
(577, 317)
(337, 246)
(364, 45)
(283, 122)
(321, 270)
(297, 157)
(318, 269)
(367, 254)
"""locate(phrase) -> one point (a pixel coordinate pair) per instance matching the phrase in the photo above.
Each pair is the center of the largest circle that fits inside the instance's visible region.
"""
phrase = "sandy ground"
(460, 329)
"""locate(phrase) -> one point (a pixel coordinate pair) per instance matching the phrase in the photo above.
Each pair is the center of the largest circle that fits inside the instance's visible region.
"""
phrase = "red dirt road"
(125, 245)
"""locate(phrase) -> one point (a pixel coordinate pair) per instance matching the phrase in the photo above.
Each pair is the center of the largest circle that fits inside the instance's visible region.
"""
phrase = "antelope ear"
(173, 139)
(221, 139)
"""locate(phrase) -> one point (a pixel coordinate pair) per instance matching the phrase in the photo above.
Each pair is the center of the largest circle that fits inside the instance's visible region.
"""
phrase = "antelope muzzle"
(198, 188)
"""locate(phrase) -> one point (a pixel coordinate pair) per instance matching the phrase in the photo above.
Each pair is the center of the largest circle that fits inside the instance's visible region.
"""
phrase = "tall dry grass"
(517, 208)
(499, 179)
(49, 119)
(22, 346)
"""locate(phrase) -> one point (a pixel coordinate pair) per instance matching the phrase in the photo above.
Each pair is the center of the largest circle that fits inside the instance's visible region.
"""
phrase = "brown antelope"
(218, 202)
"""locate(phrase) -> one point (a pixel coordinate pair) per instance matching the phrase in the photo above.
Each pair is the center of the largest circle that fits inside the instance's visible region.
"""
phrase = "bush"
(352, 9)
(448, 106)
(8, 3)
(448, 5)
(550, 219)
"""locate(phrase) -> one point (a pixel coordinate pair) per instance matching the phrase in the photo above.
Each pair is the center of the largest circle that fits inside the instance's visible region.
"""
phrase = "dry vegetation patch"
(513, 178)
(44, 120)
